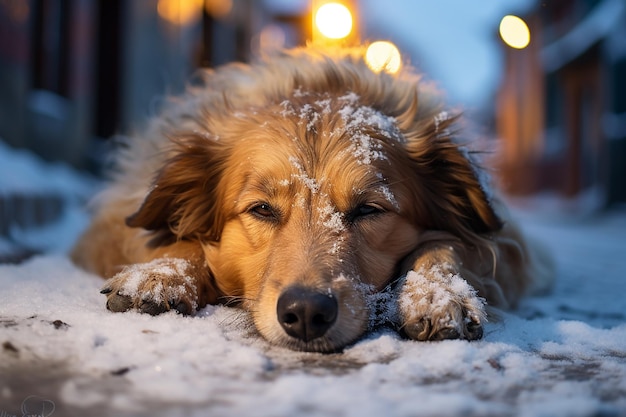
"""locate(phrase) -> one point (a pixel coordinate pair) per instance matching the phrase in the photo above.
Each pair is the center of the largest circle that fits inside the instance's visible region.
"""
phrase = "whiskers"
(234, 300)
(236, 316)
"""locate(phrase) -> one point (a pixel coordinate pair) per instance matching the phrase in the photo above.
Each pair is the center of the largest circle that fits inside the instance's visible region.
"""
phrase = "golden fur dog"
(299, 188)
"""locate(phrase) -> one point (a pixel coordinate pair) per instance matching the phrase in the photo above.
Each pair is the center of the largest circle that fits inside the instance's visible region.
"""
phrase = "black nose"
(306, 314)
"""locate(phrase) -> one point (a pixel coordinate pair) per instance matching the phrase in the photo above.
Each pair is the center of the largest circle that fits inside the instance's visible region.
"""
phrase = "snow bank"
(41, 203)
(23, 172)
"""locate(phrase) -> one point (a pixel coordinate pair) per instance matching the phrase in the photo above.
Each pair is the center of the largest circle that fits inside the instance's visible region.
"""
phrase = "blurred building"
(75, 72)
(561, 111)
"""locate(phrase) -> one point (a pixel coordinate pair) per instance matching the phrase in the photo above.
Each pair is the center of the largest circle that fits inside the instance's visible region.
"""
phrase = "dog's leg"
(435, 302)
(177, 279)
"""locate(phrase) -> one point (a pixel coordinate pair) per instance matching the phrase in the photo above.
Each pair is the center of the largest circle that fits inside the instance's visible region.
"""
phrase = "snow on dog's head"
(308, 178)
(315, 221)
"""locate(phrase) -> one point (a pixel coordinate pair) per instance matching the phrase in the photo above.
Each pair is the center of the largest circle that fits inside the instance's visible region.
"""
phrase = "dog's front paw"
(154, 288)
(437, 305)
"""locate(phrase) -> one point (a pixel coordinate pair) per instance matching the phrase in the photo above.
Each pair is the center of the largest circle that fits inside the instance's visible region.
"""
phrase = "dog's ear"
(183, 202)
(453, 197)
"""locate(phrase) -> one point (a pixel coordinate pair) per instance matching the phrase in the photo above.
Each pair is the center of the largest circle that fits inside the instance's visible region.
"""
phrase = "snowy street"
(64, 354)
(297, 182)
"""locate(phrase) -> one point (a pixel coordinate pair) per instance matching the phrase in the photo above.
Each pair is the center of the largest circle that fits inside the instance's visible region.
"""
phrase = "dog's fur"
(307, 174)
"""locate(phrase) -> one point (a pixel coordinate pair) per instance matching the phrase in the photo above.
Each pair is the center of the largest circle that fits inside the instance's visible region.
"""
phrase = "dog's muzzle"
(306, 314)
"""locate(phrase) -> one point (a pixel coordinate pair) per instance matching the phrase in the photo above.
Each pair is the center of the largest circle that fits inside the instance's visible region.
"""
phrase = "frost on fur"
(329, 216)
(441, 299)
(382, 305)
(302, 175)
(158, 281)
(439, 119)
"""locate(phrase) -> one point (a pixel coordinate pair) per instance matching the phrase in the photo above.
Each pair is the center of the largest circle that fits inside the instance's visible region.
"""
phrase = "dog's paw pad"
(447, 333)
(436, 305)
(152, 288)
(119, 303)
(182, 307)
(153, 308)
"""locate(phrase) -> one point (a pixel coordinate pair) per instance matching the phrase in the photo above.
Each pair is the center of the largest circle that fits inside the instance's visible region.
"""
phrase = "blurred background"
(544, 80)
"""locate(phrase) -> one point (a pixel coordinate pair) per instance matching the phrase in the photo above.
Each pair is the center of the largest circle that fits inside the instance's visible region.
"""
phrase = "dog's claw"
(106, 290)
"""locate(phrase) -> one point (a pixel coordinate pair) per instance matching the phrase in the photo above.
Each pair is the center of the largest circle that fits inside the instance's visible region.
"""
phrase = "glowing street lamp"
(180, 12)
(514, 32)
(333, 22)
(185, 12)
(383, 56)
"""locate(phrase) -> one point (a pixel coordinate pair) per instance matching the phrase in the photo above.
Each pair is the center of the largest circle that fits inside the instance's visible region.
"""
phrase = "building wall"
(45, 70)
(74, 73)
(573, 75)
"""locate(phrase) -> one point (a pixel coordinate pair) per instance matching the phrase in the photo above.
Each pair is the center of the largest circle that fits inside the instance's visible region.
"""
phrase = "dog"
(300, 188)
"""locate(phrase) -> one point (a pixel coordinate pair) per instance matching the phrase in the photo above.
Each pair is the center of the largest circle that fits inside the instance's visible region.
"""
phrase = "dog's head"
(308, 194)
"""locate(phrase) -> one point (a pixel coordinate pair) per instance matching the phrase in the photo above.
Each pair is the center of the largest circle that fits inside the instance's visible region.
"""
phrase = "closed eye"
(365, 211)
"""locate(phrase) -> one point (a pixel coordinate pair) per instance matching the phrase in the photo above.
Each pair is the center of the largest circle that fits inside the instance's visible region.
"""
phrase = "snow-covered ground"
(64, 354)
(34, 192)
